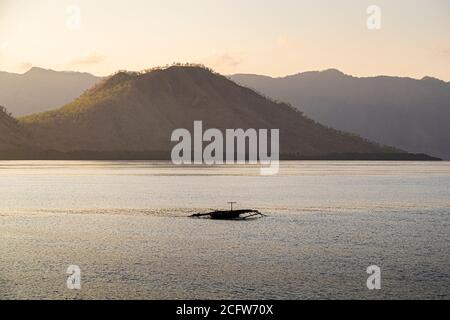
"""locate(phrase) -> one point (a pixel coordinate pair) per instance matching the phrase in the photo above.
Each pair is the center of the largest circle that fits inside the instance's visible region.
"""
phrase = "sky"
(270, 37)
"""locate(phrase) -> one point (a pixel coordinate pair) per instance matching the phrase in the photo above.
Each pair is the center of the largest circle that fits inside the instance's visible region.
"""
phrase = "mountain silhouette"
(40, 90)
(135, 112)
(409, 114)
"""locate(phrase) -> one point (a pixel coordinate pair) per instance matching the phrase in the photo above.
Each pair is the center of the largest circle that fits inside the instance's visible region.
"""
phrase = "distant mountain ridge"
(40, 90)
(406, 113)
(410, 114)
(137, 112)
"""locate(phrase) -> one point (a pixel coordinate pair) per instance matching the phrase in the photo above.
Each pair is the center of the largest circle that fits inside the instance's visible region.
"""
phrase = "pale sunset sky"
(271, 37)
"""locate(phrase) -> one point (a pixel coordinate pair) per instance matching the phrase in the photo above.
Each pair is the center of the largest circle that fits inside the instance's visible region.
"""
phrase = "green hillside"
(139, 111)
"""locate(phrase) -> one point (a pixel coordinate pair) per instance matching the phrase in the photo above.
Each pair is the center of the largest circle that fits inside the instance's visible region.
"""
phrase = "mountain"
(13, 137)
(40, 90)
(135, 112)
(413, 115)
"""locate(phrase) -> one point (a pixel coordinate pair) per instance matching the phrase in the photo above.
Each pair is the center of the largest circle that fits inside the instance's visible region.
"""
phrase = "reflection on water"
(125, 225)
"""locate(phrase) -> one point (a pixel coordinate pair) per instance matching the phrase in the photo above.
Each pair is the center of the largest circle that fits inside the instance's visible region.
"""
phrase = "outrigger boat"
(243, 214)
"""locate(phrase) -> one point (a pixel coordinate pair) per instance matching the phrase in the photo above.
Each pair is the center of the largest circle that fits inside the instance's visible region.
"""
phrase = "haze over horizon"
(274, 38)
(293, 73)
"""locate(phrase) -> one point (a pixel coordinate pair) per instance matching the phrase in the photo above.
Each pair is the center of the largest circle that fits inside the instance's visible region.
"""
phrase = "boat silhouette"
(242, 214)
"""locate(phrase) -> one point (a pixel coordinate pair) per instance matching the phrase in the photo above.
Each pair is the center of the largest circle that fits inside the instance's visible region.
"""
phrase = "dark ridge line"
(166, 156)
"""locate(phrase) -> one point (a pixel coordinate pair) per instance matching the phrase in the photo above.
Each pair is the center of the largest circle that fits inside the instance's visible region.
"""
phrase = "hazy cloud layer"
(223, 62)
(89, 59)
(25, 66)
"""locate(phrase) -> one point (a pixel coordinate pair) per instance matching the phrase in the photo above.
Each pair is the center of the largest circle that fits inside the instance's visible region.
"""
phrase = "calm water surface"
(125, 225)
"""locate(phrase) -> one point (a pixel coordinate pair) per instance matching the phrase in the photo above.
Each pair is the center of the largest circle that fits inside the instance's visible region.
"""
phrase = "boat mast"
(231, 203)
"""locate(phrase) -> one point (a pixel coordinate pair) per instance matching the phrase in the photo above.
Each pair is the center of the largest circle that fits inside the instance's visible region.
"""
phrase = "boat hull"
(229, 215)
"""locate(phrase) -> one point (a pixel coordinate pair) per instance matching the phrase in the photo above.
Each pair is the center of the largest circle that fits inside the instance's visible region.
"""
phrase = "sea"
(125, 228)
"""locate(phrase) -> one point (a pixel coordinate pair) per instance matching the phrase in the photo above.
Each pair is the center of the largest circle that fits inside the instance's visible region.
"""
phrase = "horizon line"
(230, 75)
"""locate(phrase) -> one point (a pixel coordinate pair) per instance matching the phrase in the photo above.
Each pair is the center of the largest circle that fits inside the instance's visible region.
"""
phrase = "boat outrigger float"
(243, 214)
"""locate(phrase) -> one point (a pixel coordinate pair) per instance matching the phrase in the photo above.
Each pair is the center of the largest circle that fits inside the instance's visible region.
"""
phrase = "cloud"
(227, 60)
(222, 62)
(286, 42)
(25, 66)
(89, 59)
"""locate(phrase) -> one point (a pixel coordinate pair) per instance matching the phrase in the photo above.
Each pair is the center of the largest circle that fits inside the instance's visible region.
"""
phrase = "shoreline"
(165, 156)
